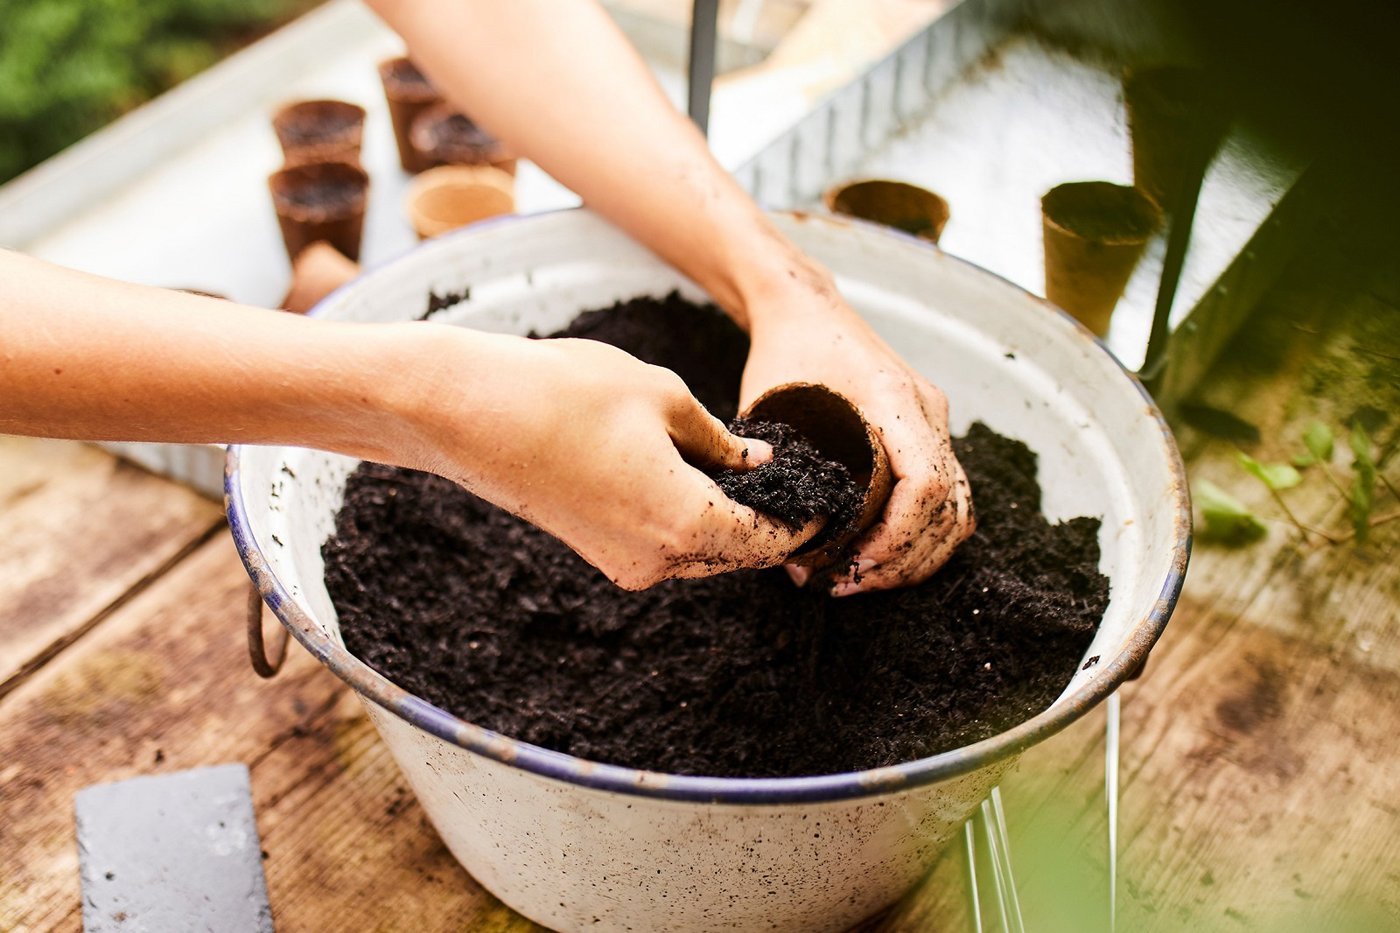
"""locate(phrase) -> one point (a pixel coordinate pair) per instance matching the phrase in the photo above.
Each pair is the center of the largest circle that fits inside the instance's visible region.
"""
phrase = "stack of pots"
(464, 175)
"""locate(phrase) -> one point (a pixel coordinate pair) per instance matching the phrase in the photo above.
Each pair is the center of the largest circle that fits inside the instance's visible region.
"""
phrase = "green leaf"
(1277, 476)
(1363, 482)
(1317, 438)
(1227, 519)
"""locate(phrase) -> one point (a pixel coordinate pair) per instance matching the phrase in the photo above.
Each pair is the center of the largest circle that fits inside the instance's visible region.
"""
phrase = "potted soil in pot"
(320, 131)
(1094, 232)
(687, 682)
(321, 201)
(408, 93)
(443, 136)
(740, 675)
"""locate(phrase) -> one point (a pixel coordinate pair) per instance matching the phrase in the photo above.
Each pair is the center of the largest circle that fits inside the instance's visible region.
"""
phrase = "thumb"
(704, 442)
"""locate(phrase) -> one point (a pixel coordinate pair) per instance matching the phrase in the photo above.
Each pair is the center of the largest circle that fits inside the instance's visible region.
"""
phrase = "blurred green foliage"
(69, 66)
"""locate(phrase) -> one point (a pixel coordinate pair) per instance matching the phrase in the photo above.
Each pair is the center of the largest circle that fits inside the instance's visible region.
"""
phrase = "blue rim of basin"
(375, 687)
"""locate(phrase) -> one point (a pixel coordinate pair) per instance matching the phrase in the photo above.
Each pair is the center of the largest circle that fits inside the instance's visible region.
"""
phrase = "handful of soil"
(739, 675)
(797, 485)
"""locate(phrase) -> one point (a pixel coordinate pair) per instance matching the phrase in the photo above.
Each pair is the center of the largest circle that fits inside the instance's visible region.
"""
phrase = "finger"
(883, 566)
(703, 440)
(739, 537)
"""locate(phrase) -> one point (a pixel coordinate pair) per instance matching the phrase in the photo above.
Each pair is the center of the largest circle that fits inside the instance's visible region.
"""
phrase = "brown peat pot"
(320, 131)
(321, 201)
(909, 208)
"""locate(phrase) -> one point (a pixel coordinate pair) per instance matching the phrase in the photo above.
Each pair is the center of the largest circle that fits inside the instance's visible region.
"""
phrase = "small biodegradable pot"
(318, 270)
(909, 208)
(1168, 124)
(1095, 232)
(321, 201)
(835, 427)
(320, 131)
(443, 136)
(408, 92)
(451, 196)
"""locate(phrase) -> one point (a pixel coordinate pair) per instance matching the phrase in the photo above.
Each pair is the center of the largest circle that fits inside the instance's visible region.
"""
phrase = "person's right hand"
(600, 450)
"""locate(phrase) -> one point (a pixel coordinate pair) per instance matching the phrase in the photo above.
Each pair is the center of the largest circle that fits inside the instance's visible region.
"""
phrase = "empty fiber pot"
(318, 270)
(1095, 232)
(909, 208)
(443, 136)
(321, 201)
(320, 131)
(452, 196)
(579, 845)
(408, 93)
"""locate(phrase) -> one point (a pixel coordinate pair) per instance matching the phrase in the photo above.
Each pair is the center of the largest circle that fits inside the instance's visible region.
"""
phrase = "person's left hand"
(807, 333)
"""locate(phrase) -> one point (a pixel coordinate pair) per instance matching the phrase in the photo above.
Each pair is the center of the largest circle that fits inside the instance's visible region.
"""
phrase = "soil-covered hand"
(808, 333)
(602, 451)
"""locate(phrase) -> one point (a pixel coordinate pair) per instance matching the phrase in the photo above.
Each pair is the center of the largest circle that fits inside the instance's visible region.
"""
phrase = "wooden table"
(1260, 780)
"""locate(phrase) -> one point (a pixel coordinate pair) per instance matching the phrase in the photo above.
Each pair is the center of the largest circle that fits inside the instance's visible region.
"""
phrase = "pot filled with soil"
(1095, 232)
(408, 93)
(321, 201)
(441, 135)
(909, 208)
(320, 131)
(732, 752)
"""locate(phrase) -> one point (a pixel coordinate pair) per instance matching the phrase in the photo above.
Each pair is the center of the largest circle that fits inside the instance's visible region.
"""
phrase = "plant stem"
(1305, 529)
(1332, 478)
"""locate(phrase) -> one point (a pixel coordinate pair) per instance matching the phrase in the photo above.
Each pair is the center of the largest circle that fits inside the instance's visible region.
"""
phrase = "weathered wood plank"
(162, 684)
(80, 530)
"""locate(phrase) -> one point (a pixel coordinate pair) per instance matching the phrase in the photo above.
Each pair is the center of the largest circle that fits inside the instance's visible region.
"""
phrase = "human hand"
(600, 450)
(805, 331)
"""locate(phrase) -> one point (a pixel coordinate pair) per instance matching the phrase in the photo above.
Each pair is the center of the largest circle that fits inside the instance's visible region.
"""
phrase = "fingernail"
(799, 575)
(756, 452)
(865, 565)
(845, 589)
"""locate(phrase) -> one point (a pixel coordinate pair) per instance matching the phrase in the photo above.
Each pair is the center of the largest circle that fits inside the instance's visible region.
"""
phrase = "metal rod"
(971, 841)
(704, 28)
(1110, 789)
(1004, 839)
(1183, 216)
(997, 878)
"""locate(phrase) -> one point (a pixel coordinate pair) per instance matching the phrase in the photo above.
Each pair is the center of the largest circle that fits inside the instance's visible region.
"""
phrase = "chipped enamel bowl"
(577, 845)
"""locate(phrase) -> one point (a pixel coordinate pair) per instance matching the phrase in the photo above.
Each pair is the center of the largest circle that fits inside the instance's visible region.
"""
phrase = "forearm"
(88, 358)
(562, 86)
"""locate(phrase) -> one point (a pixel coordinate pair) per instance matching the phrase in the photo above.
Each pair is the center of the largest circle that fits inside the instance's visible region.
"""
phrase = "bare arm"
(599, 453)
(559, 82)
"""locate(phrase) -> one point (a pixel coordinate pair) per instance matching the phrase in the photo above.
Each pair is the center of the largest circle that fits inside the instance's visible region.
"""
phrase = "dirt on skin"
(736, 675)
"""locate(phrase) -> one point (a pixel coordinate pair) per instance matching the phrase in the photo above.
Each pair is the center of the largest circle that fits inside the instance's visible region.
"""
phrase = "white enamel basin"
(576, 845)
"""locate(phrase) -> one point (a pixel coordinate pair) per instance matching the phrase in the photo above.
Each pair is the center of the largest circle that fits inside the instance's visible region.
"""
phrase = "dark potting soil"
(736, 675)
(325, 193)
(1110, 219)
(457, 138)
(408, 79)
(797, 485)
(321, 123)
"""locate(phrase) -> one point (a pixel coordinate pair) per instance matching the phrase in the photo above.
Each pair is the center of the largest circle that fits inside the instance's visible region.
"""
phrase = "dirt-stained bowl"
(577, 845)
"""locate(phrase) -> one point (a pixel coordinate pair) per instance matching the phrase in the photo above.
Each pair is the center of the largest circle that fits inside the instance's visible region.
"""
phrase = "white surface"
(565, 855)
(201, 216)
(1029, 117)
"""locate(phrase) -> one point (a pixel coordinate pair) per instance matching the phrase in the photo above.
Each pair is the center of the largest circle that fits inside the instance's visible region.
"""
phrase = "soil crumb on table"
(739, 675)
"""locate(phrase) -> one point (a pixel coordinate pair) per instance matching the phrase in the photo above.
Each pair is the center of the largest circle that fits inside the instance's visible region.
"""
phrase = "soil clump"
(797, 485)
